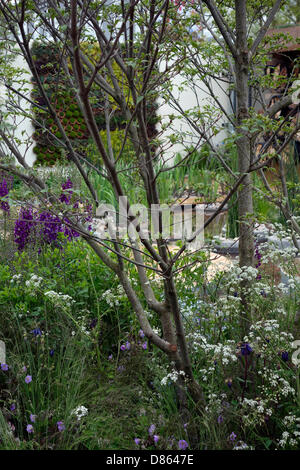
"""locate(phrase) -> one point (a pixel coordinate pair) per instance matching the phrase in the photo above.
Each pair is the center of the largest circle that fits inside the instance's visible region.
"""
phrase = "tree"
(133, 38)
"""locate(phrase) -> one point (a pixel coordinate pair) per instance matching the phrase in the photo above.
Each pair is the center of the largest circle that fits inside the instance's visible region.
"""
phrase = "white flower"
(59, 299)
(80, 412)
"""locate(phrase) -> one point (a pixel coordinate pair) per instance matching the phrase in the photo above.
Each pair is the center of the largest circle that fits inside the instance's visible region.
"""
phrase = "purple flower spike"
(151, 429)
(36, 332)
(285, 356)
(3, 193)
(246, 349)
(182, 444)
(29, 428)
(60, 426)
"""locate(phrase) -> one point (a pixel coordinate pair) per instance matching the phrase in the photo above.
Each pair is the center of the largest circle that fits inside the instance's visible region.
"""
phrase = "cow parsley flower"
(80, 412)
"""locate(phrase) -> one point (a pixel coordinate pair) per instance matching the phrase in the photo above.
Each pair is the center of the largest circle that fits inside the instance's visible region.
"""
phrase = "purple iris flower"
(246, 349)
(285, 356)
(60, 426)
(37, 332)
(182, 444)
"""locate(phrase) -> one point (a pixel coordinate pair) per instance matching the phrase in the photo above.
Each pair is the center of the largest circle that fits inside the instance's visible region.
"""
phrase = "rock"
(226, 246)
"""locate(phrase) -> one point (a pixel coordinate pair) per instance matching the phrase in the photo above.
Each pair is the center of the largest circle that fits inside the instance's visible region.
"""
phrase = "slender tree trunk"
(245, 198)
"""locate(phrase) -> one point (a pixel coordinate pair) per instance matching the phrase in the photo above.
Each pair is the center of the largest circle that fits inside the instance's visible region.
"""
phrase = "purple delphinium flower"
(93, 323)
(141, 334)
(43, 226)
(127, 345)
(60, 426)
(258, 257)
(4, 366)
(232, 437)
(246, 349)
(12, 407)
(4, 190)
(66, 197)
(123, 347)
(51, 352)
(110, 357)
(151, 429)
(28, 379)
(32, 418)
(137, 441)
(285, 356)
(182, 444)
(229, 382)
(36, 332)
(29, 428)
(50, 226)
(67, 185)
(155, 438)
(144, 345)
(69, 232)
(220, 419)
(4, 206)
(23, 227)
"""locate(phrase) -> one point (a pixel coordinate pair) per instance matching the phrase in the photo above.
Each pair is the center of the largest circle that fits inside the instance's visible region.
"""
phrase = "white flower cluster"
(245, 273)
(280, 386)
(271, 252)
(223, 353)
(59, 299)
(172, 376)
(240, 445)
(157, 331)
(216, 403)
(80, 412)
(16, 279)
(274, 390)
(114, 296)
(256, 410)
(33, 283)
(290, 437)
(266, 337)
